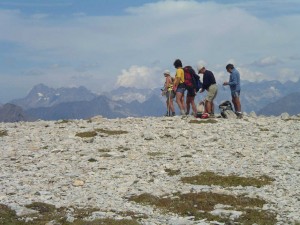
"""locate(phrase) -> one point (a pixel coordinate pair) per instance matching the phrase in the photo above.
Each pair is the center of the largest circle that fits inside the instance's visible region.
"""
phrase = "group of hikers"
(186, 79)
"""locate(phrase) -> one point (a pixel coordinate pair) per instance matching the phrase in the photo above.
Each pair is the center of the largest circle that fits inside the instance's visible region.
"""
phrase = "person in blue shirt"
(235, 88)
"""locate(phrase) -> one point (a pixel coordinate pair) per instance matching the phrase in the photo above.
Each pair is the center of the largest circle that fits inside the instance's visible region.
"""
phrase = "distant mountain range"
(44, 96)
(47, 103)
(289, 104)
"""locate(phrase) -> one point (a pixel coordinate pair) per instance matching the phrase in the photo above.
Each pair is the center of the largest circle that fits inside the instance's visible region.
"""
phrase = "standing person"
(191, 91)
(209, 84)
(179, 86)
(168, 90)
(235, 88)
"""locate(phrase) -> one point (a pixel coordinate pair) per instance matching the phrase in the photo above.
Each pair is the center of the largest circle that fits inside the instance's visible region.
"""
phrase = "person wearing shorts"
(170, 94)
(179, 86)
(235, 88)
(190, 100)
(209, 84)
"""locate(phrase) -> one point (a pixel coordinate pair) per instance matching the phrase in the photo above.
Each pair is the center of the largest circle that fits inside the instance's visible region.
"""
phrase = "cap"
(167, 72)
(199, 67)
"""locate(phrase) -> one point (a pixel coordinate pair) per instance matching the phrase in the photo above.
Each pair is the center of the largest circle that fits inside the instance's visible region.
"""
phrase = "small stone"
(78, 183)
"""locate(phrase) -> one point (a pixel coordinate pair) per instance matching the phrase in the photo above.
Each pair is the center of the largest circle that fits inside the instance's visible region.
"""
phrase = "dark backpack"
(227, 110)
(191, 79)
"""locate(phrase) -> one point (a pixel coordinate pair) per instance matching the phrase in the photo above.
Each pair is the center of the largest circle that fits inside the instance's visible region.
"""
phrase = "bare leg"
(180, 101)
(208, 106)
(188, 102)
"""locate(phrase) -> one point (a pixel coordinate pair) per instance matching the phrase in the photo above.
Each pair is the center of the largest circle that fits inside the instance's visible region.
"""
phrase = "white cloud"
(267, 61)
(252, 75)
(290, 73)
(140, 77)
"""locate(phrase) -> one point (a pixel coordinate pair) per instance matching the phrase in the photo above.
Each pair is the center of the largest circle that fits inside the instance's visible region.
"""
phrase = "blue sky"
(103, 44)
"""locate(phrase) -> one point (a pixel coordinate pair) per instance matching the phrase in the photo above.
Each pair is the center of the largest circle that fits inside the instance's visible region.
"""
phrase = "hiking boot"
(173, 114)
(239, 116)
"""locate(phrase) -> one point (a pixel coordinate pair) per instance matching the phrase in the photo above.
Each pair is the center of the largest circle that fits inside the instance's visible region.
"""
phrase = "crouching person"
(209, 84)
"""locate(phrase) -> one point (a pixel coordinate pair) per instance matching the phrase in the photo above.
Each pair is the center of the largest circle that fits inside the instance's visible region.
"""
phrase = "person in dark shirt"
(209, 84)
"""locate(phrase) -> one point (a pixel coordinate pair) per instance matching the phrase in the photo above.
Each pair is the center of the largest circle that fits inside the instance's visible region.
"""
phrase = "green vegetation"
(172, 172)
(210, 178)
(203, 121)
(46, 213)
(200, 205)
(264, 129)
(92, 160)
(111, 132)
(87, 134)
(153, 154)
(3, 133)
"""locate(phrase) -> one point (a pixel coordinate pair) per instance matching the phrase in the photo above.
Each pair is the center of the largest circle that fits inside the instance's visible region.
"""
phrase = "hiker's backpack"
(226, 110)
(191, 79)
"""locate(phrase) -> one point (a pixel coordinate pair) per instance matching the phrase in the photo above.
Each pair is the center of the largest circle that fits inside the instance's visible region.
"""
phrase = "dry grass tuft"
(200, 205)
(111, 132)
(171, 172)
(203, 121)
(87, 134)
(210, 178)
(48, 214)
(3, 133)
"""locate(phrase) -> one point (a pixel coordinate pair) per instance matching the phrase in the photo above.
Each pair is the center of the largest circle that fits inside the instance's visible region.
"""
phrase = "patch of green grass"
(3, 133)
(200, 205)
(87, 134)
(92, 160)
(171, 172)
(106, 155)
(187, 156)
(111, 132)
(292, 119)
(264, 129)
(104, 150)
(210, 178)
(203, 121)
(153, 154)
(47, 213)
(123, 149)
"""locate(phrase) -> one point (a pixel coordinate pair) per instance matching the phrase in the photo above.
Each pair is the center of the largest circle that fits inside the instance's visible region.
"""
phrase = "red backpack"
(188, 79)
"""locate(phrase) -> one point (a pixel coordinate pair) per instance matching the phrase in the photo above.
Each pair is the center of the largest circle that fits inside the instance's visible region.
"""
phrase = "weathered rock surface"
(45, 161)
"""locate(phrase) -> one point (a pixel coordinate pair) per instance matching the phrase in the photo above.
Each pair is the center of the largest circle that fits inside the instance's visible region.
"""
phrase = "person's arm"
(176, 81)
(168, 82)
(233, 81)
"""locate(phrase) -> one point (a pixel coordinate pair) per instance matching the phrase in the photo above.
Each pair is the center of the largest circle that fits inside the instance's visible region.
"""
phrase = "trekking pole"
(169, 99)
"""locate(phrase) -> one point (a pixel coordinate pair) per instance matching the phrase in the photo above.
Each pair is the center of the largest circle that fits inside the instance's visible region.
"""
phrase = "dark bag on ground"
(226, 110)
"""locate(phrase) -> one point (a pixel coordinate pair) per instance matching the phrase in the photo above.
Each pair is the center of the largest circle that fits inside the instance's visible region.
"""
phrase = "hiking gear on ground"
(226, 110)
(191, 79)
(205, 116)
(200, 109)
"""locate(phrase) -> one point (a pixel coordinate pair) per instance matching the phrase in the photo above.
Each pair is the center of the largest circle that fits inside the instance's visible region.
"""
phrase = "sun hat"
(167, 72)
(200, 66)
